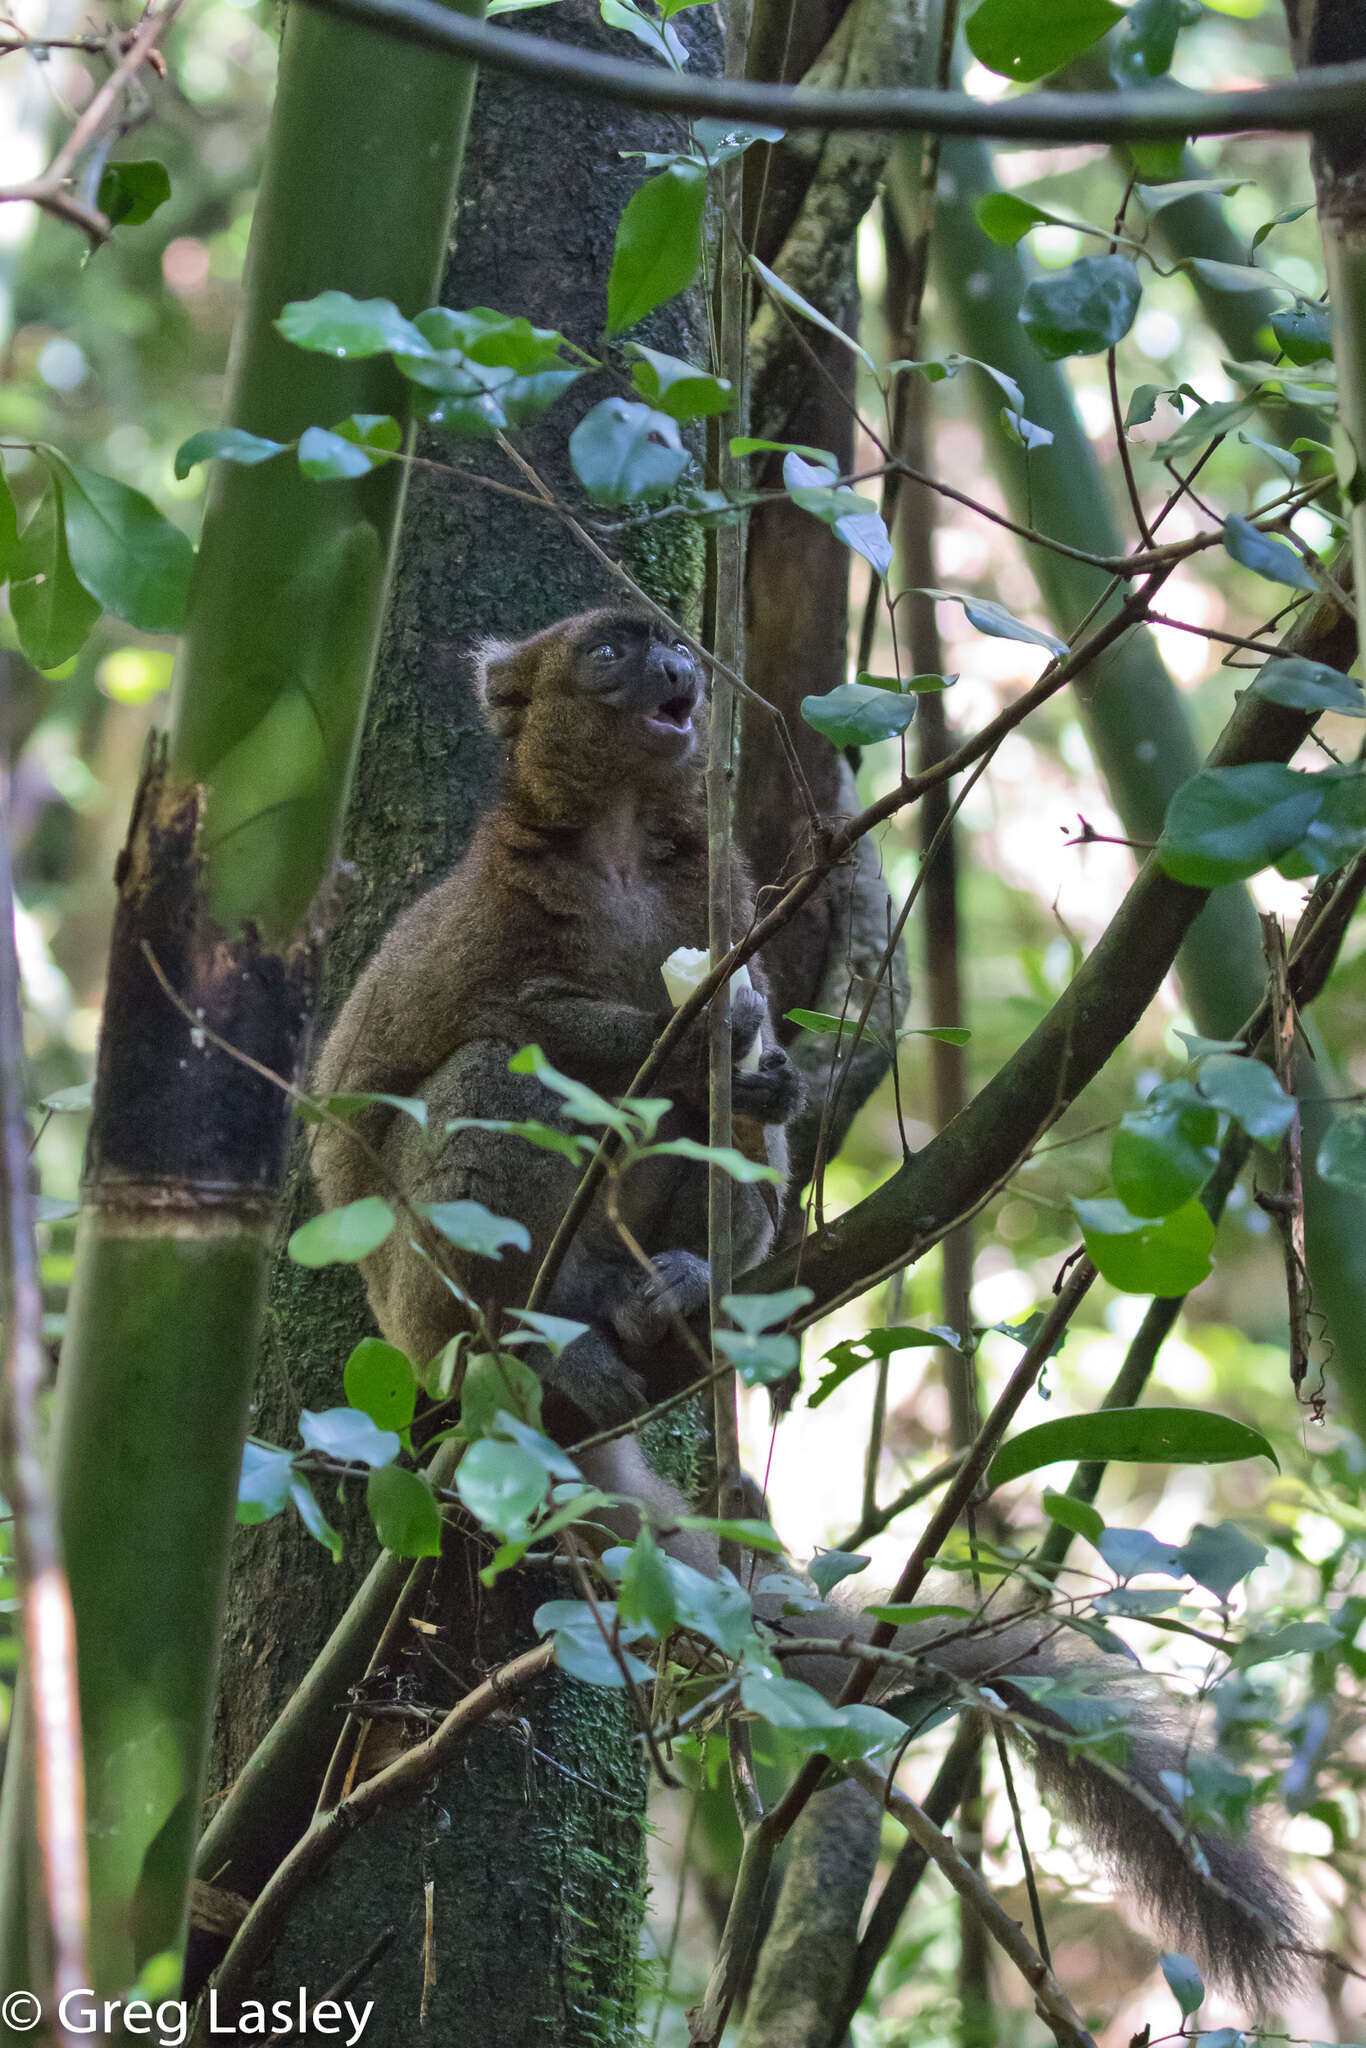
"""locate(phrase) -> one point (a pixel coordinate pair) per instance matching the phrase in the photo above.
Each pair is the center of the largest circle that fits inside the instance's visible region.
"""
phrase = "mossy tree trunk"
(531, 1846)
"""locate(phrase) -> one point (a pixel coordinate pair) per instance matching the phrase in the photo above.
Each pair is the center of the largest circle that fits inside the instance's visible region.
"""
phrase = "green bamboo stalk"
(232, 837)
(1134, 716)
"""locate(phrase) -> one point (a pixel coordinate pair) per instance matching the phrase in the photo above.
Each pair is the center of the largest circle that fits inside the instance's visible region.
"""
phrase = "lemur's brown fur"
(584, 876)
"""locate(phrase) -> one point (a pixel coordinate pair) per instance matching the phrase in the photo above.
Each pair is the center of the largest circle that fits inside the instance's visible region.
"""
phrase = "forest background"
(117, 357)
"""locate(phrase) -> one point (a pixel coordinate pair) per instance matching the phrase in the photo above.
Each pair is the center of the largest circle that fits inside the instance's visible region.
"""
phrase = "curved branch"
(1319, 99)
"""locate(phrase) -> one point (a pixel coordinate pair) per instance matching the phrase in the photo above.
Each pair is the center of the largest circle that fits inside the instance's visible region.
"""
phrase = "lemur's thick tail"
(1220, 1900)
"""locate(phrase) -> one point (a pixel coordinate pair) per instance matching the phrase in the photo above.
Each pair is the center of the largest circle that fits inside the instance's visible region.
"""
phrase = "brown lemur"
(587, 872)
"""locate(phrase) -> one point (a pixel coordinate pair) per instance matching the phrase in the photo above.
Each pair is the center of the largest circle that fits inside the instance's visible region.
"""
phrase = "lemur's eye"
(605, 652)
(682, 647)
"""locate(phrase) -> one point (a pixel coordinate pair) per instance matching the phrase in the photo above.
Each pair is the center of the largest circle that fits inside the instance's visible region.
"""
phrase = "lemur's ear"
(502, 684)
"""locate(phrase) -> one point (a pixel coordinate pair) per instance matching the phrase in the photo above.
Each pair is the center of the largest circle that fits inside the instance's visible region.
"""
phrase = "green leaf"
(844, 1734)
(475, 1228)
(224, 444)
(657, 37)
(1075, 1515)
(1145, 46)
(1006, 219)
(1184, 1983)
(342, 1236)
(758, 1360)
(826, 1025)
(404, 1511)
(989, 617)
(1233, 277)
(678, 388)
(9, 529)
(856, 520)
(378, 432)
(1309, 686)
(1205, 424)
(1249, 1091)
(1227, 823)
(853, 715)
(625, 454)
(1342, 1153)
(1265, 555)
(792, 298)
(1219, 1557)
(734, 1163)
(658, 246)
(568, 1144)
(64, 1100)
(1167, 1255)
(1083, 310)
(347, 1434)
(1022, 40)
(313, 1518)
(494, 1386)
(502, 1485)
(1129, 1436)
(325, 457)
(1293, 1640)
(1128, 1552)
(1304, 331)
(1164, 1152)
(263, 1488)
(130, 193)
(667, 1594)
(335, 324)
(853, 1353)
(1155, 197)
(829, 1568)
(379, 1379)
(125, 552)
(580, 1645)
(942, 1034)
(346, 1106)
(580, 1101)
(53, 612)
(757, 1312)
(555, 1332)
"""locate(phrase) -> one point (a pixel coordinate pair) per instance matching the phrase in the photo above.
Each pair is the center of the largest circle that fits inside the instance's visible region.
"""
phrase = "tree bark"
(532, 1843)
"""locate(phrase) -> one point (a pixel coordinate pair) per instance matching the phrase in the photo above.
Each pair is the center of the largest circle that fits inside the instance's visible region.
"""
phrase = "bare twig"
(49, 1628)
(1052, 2007)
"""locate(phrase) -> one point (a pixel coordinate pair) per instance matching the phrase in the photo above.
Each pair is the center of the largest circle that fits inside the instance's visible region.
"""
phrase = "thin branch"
(48, 1622)
(402, 1779)
(49, 190)
(1320, 98)
(1049, 2003)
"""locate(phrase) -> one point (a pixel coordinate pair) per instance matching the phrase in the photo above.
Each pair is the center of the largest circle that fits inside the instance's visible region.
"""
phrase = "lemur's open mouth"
(674, 711)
